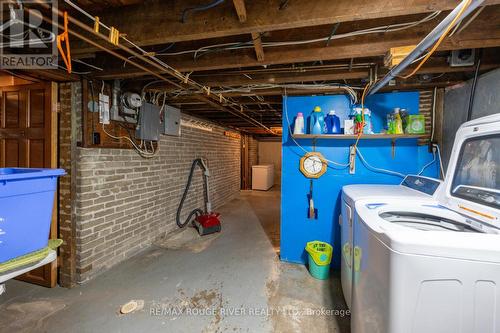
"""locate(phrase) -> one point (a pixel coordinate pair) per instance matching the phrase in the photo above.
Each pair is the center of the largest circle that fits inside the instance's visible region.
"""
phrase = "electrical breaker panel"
(171, 121)
(148, 124)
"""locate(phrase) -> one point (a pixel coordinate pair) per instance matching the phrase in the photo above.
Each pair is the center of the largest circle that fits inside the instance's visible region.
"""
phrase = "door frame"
(246, 175)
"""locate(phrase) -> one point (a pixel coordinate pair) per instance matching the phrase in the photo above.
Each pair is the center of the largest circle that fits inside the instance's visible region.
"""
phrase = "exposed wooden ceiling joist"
(482, 33)
(308, 76)
(257, 43)
(241, 10)
(159, 22)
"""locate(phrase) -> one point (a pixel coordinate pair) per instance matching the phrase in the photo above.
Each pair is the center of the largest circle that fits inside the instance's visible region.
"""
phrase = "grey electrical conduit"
(427, 42)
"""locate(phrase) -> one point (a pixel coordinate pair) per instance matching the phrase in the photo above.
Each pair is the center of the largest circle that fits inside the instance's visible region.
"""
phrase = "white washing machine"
(416, 187)
(425, 266)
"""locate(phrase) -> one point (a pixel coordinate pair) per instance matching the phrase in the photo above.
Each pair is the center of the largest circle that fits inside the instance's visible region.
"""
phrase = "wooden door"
(246, 176)
(28, 138)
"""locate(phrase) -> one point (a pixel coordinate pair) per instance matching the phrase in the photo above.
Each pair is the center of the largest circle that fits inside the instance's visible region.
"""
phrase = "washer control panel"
(422, 184)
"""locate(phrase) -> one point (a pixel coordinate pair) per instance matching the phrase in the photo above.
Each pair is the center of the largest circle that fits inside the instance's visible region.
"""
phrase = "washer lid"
(352, 193)
(426, 228)
(472, 183)
(427, 222)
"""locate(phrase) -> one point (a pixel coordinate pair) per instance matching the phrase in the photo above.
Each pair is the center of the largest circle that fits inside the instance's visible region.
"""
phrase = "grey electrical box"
(462, 58)
(172, 121)
(148, 125)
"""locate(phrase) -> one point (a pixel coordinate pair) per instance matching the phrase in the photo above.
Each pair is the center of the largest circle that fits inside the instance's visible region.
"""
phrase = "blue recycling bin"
(26, 202)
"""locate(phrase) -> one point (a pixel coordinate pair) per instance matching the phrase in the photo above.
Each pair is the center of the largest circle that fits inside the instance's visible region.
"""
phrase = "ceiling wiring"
(184, 81)
(249, 44)
(87, 64)
(256, 87)
(439, 41)
(459, 28)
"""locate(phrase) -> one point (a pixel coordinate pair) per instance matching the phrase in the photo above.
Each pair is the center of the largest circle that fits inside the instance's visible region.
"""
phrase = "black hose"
(196, 212)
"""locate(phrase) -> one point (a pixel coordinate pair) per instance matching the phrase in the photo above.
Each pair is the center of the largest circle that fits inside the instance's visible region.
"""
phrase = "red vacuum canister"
(207, 223)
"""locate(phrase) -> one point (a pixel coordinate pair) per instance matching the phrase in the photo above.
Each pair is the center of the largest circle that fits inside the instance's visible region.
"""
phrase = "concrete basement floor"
(229, 282)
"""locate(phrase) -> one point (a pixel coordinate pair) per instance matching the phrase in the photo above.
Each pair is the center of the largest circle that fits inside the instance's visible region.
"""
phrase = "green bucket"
(320, 257)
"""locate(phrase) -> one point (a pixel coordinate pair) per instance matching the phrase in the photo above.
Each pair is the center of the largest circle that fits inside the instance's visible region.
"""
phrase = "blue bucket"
(26, 202)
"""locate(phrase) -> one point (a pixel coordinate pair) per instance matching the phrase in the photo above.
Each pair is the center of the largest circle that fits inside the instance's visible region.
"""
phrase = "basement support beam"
(257, 44)
(241, 10)
(160, 24)
(484, 36)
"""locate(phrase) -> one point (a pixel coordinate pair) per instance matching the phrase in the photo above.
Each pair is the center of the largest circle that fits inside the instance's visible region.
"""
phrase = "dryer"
(434, 265)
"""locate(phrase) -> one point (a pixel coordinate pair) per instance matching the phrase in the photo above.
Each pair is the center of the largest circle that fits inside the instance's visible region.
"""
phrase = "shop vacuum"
(206, 222)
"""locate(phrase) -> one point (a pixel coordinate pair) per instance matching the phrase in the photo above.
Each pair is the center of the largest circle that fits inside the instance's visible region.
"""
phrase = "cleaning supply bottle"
(332, 123)
(317, 122)
(398, 122)
(298, 127)
(358, 120)
(390, 123)
(368, 128)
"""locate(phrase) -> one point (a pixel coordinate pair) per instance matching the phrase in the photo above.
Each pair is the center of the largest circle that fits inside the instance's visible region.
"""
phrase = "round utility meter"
(132, 100)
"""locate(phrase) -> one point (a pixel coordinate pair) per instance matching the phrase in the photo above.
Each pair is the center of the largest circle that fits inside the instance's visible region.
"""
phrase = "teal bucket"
(320, 257)
(320, 272)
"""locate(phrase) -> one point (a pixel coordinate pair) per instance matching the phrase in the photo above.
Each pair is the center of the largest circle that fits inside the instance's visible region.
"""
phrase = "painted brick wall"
(125, 202)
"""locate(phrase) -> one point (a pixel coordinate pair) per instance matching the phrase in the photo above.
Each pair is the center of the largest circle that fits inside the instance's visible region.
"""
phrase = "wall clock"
(313, 165)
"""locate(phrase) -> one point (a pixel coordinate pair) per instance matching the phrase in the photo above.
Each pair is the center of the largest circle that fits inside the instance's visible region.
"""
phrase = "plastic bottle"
(298, 127)
(317, 122)
(398, 122)
(404, 119)
(390, 123)
(368, 128)
(332, 123)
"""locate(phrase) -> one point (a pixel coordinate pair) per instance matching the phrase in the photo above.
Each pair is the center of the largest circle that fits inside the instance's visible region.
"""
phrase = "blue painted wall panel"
(296, 228)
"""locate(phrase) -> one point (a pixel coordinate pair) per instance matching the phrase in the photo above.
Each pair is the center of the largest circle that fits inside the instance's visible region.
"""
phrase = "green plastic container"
(320, 257)
(416, 124)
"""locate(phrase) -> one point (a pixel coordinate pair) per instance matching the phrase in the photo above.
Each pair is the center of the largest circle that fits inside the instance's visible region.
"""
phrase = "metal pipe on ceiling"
(212, 100)
(427, 42)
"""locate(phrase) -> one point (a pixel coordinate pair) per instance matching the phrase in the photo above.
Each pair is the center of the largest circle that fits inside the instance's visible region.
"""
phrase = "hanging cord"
(375, 169)
(440, 161)
(142, 152)
(433, 120)
(365, 90)
(428, 164)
